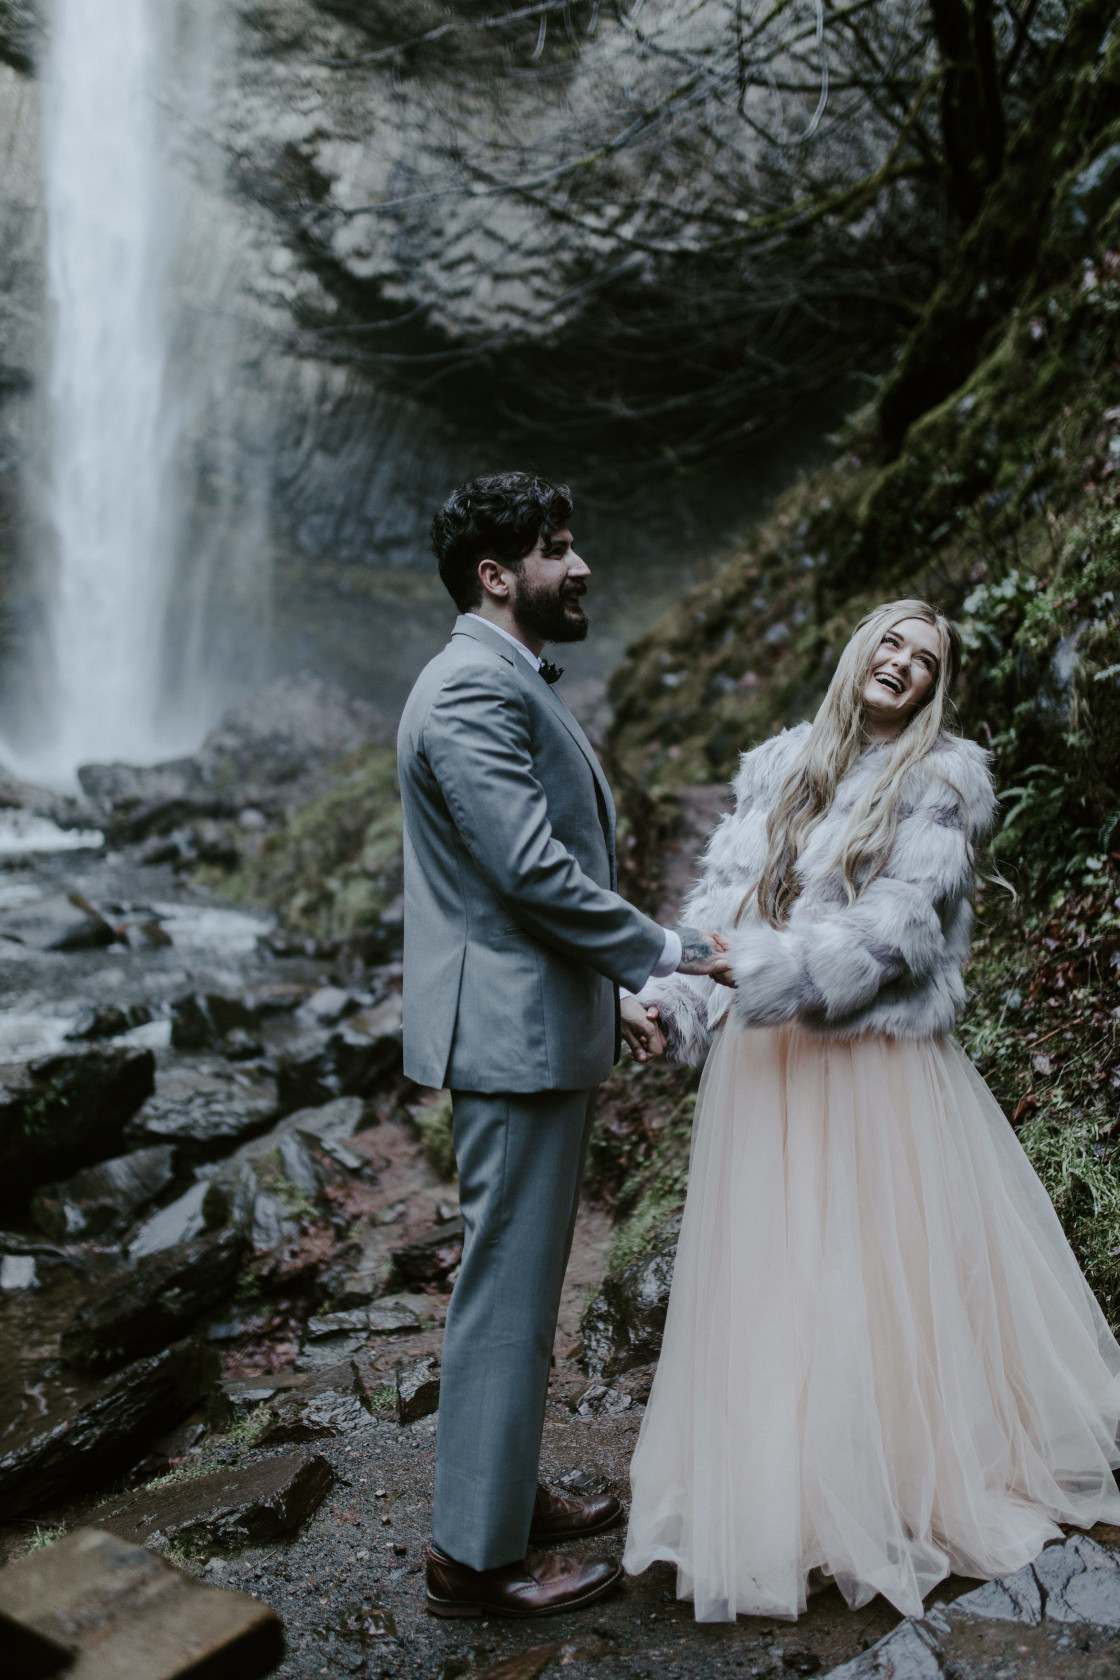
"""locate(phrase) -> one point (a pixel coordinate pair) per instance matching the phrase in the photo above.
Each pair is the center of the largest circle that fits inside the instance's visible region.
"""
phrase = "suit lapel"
(468, 625)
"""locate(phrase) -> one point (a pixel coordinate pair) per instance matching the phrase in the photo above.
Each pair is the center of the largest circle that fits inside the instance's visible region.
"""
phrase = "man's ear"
(494, 579)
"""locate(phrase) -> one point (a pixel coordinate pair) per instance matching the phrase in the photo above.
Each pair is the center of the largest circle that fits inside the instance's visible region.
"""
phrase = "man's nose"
(577, 566)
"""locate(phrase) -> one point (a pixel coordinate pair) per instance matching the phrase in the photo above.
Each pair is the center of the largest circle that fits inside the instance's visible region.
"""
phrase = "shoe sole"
(543, 1538)
(448, 1607)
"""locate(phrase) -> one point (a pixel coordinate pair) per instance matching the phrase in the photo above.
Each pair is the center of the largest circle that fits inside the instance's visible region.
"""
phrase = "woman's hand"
(640, 1029)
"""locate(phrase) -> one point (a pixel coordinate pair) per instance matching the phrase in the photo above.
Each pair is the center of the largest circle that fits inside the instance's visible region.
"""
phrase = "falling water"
(110, 488)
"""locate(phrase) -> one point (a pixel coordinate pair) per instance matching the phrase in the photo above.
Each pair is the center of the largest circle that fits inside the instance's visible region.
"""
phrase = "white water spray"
(110, 489)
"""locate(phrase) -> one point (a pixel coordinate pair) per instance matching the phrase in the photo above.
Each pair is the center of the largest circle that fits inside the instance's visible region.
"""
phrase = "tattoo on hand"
(695, 947)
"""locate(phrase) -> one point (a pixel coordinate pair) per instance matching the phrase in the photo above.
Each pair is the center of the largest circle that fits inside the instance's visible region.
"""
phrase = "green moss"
(335, 866)
(434, 1123)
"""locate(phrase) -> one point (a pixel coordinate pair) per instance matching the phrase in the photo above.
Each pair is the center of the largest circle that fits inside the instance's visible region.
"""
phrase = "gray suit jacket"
(514, 938)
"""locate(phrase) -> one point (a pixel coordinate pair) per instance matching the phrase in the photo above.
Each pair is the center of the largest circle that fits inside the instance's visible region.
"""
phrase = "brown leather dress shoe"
(556, 1519)
(541, 1585)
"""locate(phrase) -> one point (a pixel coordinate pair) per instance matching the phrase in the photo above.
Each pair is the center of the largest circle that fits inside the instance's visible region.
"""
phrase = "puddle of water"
(204, 928)
(21, 833)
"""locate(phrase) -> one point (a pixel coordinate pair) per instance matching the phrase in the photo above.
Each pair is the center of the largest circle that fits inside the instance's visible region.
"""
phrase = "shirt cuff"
(670, 958)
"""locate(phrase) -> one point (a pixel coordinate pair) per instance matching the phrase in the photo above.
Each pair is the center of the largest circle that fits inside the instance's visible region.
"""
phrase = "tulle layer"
(881, 1360)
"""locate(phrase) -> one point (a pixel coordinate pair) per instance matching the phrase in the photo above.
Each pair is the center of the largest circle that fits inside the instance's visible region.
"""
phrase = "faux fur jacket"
(889, 963)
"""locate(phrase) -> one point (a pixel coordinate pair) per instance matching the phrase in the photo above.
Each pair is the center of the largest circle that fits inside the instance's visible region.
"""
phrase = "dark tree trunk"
(973, 131)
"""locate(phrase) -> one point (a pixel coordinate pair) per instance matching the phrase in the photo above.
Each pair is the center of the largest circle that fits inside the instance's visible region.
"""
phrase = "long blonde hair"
(835, 742)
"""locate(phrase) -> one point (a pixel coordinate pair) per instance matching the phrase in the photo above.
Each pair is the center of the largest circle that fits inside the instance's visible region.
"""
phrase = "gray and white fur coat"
(888, 963)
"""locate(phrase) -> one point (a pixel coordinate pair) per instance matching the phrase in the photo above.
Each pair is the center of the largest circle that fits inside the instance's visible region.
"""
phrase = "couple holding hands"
(881, 1362)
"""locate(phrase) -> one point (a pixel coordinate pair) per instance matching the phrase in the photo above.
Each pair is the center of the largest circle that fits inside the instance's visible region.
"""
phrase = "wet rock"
(205, 1110)
(1014, 1599)
(623, 1324)
(137, 801)
(431, 1258)
(273, 1224)
(60, 922)
(67, 1111)
(300, 1405)
(201, 1208)
(417, 1389)
(911, 1651)
(100, 1428)
(203, 1019)
(374, 1321)
(225, 1508)
(103, 1198)
(601, 1399)
(113, 1608)
(153, 1305)
(350, 1061)
(18, 1272)
(109, 1021)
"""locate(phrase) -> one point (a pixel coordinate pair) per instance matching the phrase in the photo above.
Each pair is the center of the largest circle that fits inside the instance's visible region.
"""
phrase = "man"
(515, 946)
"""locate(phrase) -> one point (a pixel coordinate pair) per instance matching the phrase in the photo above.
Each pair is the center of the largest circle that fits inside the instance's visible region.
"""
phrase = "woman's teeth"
(889, 682)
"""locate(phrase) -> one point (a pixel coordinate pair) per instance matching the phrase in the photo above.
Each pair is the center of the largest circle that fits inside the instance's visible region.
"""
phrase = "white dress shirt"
(670, 959)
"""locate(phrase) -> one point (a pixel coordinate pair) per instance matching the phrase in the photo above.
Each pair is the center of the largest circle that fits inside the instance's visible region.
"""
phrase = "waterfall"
(110, 489)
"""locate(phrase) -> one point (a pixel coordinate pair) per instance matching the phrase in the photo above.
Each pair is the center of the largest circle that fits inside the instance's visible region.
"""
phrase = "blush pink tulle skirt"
(881, 1361)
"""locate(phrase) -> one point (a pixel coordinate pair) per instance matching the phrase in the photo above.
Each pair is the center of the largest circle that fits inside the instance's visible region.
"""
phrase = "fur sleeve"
(832, 965)
(682, 1005)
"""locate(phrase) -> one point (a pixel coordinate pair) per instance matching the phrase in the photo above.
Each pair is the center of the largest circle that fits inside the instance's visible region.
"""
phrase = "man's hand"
(703, 953)
(640, 1029)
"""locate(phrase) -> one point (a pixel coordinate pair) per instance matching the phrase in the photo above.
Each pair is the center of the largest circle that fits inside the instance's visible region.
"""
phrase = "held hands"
(704, 954)
(640, 1029)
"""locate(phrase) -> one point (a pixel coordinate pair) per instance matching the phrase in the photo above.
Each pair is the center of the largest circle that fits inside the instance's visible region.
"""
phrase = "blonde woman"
(881, 1361)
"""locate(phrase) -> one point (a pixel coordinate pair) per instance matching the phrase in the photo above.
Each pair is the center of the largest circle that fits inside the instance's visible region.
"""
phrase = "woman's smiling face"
(902, 677)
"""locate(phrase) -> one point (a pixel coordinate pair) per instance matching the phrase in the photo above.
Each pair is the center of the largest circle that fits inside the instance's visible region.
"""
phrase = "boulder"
(153, 1305)
(61, 922)
(18, 1272)
(66, 1111)
(109, 1021)
(203, 1019)
(623, 1324)
(104, 1198)
(201, 1208)
(349, 1061)
(96, 1429)
(111, 1608)
(301, 1406)
(137, 801)
(417, 1389)
(431, 1258)
(204, 1110)
(224, 1508)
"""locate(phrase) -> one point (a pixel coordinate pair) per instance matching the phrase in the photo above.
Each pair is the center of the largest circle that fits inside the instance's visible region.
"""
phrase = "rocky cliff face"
(311, 464)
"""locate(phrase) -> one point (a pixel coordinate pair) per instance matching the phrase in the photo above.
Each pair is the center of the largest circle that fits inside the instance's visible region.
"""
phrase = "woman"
(881, 1361)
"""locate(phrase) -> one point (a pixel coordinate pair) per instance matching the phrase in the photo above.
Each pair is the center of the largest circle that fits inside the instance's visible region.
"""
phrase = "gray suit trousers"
(520, 1159)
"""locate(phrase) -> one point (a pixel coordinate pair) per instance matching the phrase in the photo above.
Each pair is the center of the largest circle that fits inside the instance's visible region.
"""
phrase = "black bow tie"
(550, 673)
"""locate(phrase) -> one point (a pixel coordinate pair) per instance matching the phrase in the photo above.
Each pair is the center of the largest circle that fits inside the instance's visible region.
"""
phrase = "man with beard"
(515, 946)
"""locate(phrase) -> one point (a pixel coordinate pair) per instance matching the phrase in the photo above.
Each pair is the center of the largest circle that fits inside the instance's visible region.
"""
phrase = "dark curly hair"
(497, 517)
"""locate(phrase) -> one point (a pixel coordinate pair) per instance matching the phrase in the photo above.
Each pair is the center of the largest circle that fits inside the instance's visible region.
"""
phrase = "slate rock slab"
(1074, 1581)
(60, 922)
(103, 1198)
(302, 1406)
(154, 1304)
(62, 1112)
(102, 1429)
(624, 1322)
(223, 1509)
(108, 1608)
(417, 1389)
(205, 1110)
(201, 1208)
